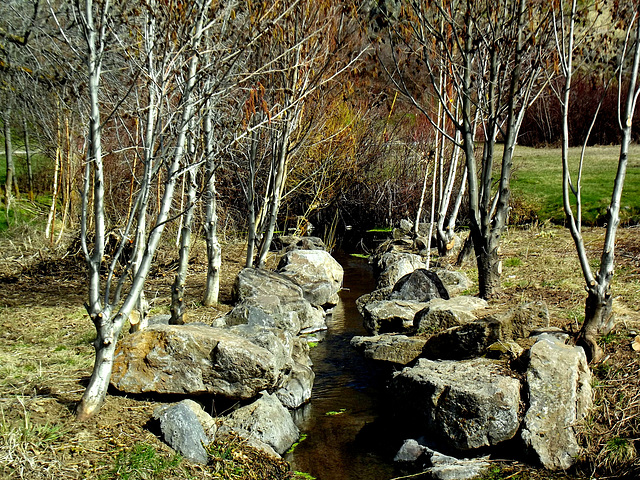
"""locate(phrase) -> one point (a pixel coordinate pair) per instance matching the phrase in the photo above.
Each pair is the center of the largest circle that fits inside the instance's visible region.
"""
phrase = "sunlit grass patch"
(537, 180)
(142, 462)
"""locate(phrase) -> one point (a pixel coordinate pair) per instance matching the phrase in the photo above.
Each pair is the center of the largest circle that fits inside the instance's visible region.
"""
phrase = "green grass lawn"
(537, 183)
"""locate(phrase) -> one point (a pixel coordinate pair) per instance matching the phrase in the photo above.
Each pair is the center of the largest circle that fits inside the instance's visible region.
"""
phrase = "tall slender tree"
(495, 54)
(599, 318)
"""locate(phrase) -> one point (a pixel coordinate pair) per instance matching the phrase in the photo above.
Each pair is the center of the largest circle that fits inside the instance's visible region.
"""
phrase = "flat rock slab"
(469, 404)
(197, 359)
(559, 388)
(397, 349)
(391, 316)
(440, 466)
(440, 314)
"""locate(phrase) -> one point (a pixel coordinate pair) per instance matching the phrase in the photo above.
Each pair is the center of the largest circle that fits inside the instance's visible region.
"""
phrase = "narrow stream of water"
(346, 439)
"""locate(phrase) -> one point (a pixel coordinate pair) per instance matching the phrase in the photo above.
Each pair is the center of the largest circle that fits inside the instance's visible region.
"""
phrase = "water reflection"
(346, 438)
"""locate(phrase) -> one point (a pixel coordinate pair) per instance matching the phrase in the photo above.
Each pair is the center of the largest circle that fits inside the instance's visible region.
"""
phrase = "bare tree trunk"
(27, 148)
(278, 181)
(178, 287)
(599, 319)
(8, 151)
(108, 327)
(214, 252)
(51, 217)
(251, 200)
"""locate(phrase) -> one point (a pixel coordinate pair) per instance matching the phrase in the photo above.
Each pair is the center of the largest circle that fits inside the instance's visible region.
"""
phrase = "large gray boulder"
(393, 266)
(559, 391)
(266, 311)
(278, 297)
(420, 285)
(186, 428)
(440, 466)
(469, 404)
(265, 420)
(496, 331)
(316, 272)
(252, 282)
(391, 316)
(522, 320)
(195, 359)
(396, 349)
(440, 314)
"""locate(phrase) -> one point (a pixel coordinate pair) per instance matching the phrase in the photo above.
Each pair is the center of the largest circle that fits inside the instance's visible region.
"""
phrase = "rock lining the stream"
(253, 355)
(464, 399)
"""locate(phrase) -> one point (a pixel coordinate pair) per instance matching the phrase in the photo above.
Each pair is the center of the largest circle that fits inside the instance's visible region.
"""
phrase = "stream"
(347, 438)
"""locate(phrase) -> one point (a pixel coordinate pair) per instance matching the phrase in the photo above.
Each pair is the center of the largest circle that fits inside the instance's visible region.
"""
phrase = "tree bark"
(214, 252)
(489, 268)
(598, 320)
(8, 151)
(178, 287)
(27, 148)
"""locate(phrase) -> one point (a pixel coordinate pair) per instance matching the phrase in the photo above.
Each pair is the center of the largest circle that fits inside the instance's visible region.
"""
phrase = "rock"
(504, 350)
(287, 243)
(194, 359)
(266, 420)
(454, 281)
(316, 272)
(394, 266)
(406, 225)
(182, 429)
(423, 228)
(520, 321)
(296, 390)
(410, 452)
(420, 285)
(267, 311)
(463, 341)
(559, 334)
(277, 296)
(421, 245)
(469, 404)
(376, 295)
(398, 233)
(439, 466)
(254, 282)
(492, 335)
(440, 314)
(559, 391)
(391, 316)
(398, 349)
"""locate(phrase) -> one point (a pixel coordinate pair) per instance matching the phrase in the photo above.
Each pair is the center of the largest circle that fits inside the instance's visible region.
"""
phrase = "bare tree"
(301, 56)
(495, 55)
(109, 306)
(598, 319)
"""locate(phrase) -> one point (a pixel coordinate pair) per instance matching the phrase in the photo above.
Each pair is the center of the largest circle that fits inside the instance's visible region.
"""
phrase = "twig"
(413, 475)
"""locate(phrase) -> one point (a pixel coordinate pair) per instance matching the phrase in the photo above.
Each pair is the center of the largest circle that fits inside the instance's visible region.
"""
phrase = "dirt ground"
(46, 357)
